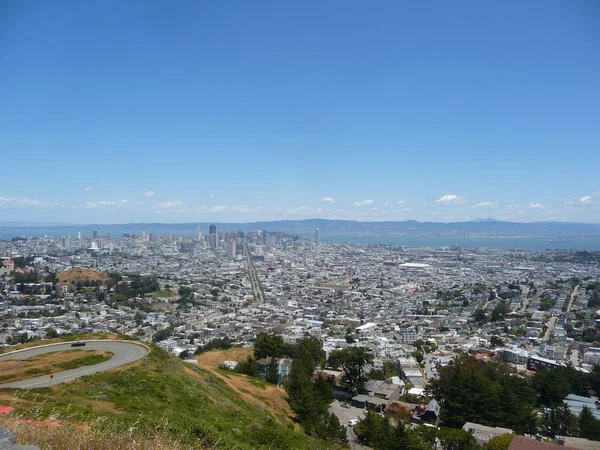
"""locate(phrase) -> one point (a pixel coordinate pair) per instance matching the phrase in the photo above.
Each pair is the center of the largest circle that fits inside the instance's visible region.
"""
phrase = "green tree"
(456, 439)
(479, 316)
(553, 386)
(51, 333)
(499, 312)
(248, 367)
(495, 341)
(491, 394)
(269, 344)
(589, 426)
(272, 375)
(559, 421)
(352, 360)
(500, 442)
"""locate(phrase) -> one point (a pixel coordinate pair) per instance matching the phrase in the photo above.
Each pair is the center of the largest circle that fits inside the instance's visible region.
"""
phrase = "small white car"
(352, 422)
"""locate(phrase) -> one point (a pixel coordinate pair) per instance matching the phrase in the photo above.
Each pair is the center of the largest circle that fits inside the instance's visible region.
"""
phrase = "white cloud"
(149, 193)
(586, 200)
(300, 210)
(450, 199)
(329, 200)
(104, 204)
(24, 202)
(363, 203)
(211, 196)
(168, 205)
(486, 205)
(536, 206)
(90, 189)
(401, 202)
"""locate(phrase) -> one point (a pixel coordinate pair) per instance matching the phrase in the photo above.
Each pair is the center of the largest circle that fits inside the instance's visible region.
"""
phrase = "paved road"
(256, 287)
(573, 298)
(344, 415)
(124, 353)
(550, 329)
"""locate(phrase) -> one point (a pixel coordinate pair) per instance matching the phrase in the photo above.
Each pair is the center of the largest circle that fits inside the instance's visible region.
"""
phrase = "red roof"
(525, 443)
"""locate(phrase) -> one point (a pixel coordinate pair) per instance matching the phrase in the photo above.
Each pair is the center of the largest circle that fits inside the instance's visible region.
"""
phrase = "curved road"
(123, 353)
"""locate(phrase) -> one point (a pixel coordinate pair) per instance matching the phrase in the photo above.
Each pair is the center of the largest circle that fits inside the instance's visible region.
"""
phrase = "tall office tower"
(265, 236)
(227, 236)
(199, 235)
(240, 234)
(212, 236)
(95, 234)
(109, 235)
(316, 236)
(79, 235)
(231, 249)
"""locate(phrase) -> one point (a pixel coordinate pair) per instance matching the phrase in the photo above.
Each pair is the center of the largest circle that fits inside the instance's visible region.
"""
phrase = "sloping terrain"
(266, 396)
(161, 397)
(73, 276)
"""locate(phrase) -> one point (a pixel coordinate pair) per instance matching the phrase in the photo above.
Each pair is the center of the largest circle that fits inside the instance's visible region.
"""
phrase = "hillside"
(264, 395)
(159, 400)
(73, 276)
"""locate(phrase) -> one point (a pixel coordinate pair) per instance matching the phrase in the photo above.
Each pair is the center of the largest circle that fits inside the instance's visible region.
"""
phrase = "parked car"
(78, 344)
(346, 405)
(352, 422)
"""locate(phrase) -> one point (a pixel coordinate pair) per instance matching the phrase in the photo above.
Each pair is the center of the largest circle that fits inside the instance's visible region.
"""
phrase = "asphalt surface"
(123, 353)
(344, 415)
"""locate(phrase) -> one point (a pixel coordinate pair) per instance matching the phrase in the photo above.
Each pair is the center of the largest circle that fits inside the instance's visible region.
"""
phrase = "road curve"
(124, 352)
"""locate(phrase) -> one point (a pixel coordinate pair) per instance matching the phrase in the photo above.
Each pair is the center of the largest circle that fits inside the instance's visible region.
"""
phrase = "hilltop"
(163, 402)
(73, 276)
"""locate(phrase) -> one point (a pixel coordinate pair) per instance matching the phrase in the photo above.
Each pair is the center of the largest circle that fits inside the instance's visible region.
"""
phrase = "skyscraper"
(79, 235)
(317, 236)
(212, 236)
(95, 234)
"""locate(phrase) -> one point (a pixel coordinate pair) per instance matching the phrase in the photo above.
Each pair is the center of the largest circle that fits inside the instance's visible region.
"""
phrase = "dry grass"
(271, 398)
(71, 277)
(87, 438)
(43, 364)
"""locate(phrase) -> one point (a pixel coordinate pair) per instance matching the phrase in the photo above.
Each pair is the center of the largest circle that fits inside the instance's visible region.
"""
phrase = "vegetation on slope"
(161, 395)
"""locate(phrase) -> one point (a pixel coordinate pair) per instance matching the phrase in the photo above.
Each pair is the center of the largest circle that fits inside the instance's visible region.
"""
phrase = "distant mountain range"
(483, 227)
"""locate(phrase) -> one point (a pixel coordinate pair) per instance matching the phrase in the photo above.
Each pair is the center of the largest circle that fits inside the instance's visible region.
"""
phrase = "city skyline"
(213, 112)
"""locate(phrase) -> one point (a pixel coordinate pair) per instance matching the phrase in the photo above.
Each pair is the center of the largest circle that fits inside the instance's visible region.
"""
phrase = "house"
(284, 365)
(376, 394)
(483, 434)
(429, 413)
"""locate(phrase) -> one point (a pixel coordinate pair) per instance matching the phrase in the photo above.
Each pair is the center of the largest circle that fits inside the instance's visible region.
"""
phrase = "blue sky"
(159, 111)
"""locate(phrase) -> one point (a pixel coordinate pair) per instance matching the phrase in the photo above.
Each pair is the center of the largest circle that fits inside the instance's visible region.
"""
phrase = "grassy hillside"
(159, 398)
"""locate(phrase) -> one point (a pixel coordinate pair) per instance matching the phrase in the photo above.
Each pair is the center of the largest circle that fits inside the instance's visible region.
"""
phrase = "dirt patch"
(271, 398)
(48, 363)
(71, 277)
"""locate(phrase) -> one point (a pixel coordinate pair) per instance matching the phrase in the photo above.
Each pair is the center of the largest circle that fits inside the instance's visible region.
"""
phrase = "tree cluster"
(491, 394)
(352, 360)
(215, 344)
(310, 399)
(379, 433)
